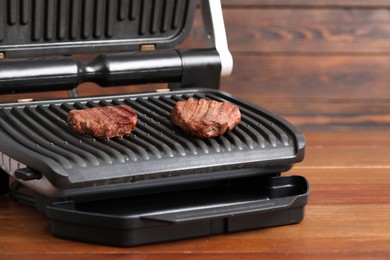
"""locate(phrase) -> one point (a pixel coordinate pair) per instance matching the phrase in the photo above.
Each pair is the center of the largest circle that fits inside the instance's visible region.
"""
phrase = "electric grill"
(158, 183)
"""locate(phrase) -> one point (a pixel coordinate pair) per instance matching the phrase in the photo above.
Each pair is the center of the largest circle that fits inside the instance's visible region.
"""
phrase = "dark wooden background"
(322, 64)
(329, 56)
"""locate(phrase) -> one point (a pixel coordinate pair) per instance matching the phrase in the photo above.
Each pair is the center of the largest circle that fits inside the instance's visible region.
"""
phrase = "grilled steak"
(205, 118)
(103, 122)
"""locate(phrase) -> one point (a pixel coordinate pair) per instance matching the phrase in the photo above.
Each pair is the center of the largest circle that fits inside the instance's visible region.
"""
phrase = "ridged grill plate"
(59, 27)
(37, 135)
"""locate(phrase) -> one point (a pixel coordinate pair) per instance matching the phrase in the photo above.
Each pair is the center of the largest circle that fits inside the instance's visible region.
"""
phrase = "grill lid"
(37, 135)
(36, 28)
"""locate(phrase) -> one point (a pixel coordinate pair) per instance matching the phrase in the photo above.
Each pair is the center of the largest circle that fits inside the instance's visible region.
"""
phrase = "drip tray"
(221, 207)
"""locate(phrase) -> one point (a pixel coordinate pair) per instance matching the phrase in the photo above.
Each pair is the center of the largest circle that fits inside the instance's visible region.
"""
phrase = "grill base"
(158, 184)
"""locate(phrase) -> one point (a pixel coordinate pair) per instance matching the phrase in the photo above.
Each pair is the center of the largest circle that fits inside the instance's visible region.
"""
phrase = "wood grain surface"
(323, 65)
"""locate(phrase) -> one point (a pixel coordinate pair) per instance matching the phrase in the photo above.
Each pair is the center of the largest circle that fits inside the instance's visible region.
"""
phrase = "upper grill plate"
(60, 27)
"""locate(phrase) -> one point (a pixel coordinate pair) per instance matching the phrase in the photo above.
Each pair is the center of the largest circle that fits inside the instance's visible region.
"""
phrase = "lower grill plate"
(37, 135)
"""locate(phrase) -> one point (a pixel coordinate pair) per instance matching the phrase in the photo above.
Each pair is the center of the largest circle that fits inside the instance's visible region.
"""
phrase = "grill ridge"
(150, 133)
(49, 19)
(15, 128)
(62, 11)
(163, 125)
(110, 23)
(242, 135)
(39, 117)
(75, 18)
(100, 149)
(145, 144)
(139, 150)
(99, 18)
(146, 132)
(134, 8)
(89, 151)
(37, 21)
(263, 127)
(25, 11)
(86, 18)
(12, 12)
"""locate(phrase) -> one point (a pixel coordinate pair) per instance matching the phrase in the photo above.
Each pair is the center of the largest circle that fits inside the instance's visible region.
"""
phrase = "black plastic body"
(205, 209)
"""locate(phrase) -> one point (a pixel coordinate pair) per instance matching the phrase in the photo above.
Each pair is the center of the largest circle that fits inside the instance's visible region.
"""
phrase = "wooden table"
(348, 214)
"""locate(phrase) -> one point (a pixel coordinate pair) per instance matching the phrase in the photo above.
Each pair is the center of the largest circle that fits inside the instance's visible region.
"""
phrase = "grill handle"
(181, 68)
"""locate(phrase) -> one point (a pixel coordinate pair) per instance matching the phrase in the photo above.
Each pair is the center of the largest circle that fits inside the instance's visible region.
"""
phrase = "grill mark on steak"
(205, 118)
(196, 118)
(188, 110)
(103, 122)
(232, 111)
(216, 113)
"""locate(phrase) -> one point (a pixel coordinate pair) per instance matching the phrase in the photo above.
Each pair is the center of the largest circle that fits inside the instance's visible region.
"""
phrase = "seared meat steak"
(103, 122)
(205, 118)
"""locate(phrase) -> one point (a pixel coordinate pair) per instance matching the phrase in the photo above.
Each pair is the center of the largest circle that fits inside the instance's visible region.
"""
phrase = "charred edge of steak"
(205, 118)
(103, 122)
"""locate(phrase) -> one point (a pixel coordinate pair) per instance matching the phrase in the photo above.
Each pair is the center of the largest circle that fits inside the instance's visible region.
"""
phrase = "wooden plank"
(367, 139)
(349, 231)
(342, 158)
(312, 76)
(307, 3)
(336, 113)
(302, 30)
(342, 107)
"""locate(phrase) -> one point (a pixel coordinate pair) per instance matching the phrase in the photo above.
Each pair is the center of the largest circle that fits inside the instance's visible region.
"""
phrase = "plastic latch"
(27, 174)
